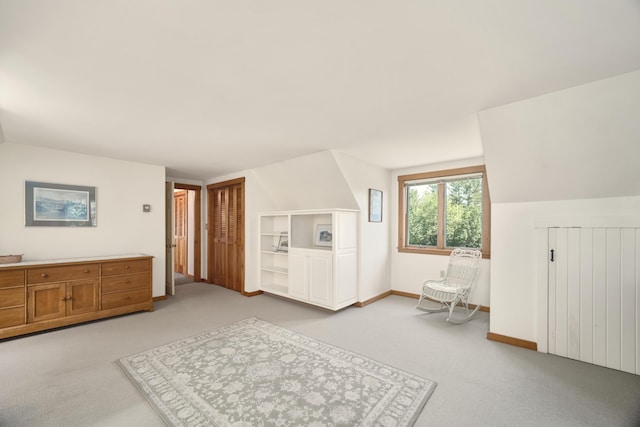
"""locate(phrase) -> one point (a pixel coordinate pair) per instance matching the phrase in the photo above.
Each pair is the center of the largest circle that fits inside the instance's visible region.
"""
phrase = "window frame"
(444, 174)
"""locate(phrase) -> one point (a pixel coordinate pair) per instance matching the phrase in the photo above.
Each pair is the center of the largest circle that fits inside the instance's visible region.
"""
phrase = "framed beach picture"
(59, 205)
(324, 236)
(375, 205)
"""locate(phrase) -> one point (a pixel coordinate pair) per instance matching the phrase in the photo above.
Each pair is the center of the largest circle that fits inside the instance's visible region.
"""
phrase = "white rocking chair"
(454, 288)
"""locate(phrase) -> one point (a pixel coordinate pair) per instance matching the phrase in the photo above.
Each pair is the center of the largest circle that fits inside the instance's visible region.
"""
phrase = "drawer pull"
(127, 297)
(126, 281)
(44, 275)
(86, 270)
(126, 267)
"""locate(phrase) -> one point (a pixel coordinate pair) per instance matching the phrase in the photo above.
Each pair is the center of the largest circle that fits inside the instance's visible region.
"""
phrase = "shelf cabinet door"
(298, 275)
(321, 279)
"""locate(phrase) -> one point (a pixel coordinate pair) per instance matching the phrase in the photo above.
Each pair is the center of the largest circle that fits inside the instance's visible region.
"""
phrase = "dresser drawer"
(125, 282)
(11, 278)
(125, 267)
(11, 297)
(11, 317)
(121, 299)
(62, 274)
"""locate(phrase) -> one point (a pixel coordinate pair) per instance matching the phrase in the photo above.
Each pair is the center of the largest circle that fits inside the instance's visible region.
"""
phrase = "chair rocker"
(454, 288)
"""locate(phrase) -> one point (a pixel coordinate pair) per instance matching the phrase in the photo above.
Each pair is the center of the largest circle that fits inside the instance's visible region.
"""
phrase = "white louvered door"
(594, 296)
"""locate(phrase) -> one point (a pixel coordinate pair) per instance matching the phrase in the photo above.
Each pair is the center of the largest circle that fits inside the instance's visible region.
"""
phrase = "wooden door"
(226, 234)
(180, 228)
(83, 296)
(170, 286)
(47, 301)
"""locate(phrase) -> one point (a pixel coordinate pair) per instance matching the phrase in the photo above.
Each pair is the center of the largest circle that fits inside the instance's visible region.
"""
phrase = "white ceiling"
(208, 88)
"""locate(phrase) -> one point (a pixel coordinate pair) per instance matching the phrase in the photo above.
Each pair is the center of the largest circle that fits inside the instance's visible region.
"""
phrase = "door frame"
(181, 222)
(197, 232)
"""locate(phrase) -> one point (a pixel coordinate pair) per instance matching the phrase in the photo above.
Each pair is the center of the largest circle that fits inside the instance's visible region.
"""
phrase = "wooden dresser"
(36, 296)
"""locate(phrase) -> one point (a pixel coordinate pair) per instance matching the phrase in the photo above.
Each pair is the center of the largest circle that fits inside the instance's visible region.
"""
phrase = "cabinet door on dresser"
(53, 300)
(58, 291)
(48, 301)
(83, 296)
(12, 298)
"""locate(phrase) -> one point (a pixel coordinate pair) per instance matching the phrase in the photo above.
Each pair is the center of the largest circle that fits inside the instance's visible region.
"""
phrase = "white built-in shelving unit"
(310, 256)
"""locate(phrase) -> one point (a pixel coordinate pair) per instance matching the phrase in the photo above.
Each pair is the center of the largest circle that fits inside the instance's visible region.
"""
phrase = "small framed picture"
(283, 243)
(375, 205)
(324, 236)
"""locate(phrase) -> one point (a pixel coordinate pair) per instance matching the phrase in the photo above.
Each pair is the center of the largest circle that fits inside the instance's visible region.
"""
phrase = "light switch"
(146, 208)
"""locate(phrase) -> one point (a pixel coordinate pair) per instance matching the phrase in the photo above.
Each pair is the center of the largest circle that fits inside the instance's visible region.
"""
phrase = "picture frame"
(323, 236)
(59, 205)
(375, 205)
(283, 243)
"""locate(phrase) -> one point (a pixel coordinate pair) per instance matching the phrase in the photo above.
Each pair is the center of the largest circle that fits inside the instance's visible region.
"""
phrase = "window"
(443, 210)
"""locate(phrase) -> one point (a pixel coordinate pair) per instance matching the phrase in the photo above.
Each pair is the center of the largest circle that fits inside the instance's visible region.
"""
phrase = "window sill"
(434, 251)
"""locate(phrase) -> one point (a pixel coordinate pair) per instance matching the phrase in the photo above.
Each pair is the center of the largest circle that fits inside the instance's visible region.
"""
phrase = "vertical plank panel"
(562, 257)
(628, 300)
(613, 298)
(637, 301)
(542, 281)
(551, 327)
(599, 296)
(586, 295)
(573, 293)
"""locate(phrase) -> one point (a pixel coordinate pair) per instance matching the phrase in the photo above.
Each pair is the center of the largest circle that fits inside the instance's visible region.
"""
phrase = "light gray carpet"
(181, 279)
(254, 373)
(70, 377)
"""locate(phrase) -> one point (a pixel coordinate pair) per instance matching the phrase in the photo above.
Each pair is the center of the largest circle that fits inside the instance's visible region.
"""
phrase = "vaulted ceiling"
(208, 88)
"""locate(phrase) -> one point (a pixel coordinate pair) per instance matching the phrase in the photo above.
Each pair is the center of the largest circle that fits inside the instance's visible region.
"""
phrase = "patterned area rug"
(253, 373)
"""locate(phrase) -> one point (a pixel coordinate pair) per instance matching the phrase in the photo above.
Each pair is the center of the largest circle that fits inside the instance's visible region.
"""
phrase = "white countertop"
(67, 260)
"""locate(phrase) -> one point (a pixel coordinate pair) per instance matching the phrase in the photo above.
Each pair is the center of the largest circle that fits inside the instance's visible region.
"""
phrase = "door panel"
(594, 282)
(46, 301)
(180, 229)
(83, 296)
(226, 234)
(170, 287)
(320, 279)
(298, 275)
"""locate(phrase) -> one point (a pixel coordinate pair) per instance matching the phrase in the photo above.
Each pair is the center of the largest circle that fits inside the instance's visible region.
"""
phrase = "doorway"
(225, 264)
(184, 231)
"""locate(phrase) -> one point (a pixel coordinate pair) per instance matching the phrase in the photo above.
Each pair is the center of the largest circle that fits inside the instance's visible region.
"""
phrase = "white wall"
(121, 190)
(408, 270)
(375, 245)
(578, 143)
(308, 182)
(564, 154)
(514, 300)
